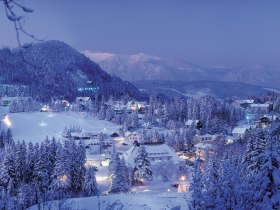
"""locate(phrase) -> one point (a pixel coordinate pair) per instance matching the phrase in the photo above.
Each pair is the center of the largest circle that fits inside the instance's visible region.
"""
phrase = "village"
(101, 142)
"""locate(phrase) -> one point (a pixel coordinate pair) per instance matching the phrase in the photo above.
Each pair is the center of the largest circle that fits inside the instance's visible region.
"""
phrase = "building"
(244, 103)
(83, 100)
(156, 153)
(6, 101)
(132, 136)
(260, 108)
(266, 120)
(202, 138)
(204, 149)
(198, 123)
(239, 132)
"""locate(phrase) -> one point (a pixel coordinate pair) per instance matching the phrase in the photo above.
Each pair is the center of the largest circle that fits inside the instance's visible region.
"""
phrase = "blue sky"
(206, 32)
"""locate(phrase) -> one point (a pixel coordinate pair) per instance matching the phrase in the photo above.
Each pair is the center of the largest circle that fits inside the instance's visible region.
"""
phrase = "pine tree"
(142, 169)
(119, 177)
(269, 176)
(90, 185)
(196, 188)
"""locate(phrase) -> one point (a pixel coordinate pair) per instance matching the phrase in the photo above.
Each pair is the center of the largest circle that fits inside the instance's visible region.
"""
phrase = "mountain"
(188, 89)
(261, 75)
(147, 67)
(54, 69)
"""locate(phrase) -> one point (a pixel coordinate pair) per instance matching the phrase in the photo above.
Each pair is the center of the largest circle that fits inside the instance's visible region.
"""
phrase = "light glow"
(101, 178)
(63, 179)
(182, 178)
(7, 121)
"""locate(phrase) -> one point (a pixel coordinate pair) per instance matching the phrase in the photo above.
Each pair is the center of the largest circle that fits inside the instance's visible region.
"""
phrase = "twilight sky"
(206, 32)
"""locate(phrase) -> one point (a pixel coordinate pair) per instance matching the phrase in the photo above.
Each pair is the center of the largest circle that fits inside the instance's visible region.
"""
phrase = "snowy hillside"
(53, 69)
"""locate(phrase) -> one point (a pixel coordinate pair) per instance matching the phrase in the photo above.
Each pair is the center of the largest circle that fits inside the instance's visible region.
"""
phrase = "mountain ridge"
(149, 67)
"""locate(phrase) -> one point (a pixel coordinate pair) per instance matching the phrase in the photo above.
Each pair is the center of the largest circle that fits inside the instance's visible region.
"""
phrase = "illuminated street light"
(182, 178)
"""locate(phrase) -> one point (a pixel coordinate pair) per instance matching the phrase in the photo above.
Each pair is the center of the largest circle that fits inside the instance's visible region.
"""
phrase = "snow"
(98, 56)
(144, 201)
(36, 126)
(204, 146)
(239, 130)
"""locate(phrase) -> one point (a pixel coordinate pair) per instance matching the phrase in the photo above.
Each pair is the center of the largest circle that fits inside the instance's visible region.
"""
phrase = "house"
(202, 138)
(244, 103)
(83, 100)
(6, 101)
(239, 132)
(97, 160)
(203, 149)
(260, 108)
(156, 153)
(132, 136)
(266, 120)
(197, 123)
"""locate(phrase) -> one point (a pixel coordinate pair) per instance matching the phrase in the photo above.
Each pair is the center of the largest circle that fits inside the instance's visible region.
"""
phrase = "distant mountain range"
(147, 67)
(194, 89)
(53, 69)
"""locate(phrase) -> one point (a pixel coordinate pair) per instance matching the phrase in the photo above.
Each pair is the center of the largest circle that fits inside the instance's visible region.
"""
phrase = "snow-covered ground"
(35, 126)
(143, 201)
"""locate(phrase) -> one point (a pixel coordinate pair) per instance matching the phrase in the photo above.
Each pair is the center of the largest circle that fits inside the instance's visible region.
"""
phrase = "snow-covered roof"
(270, 117)
(246, 101)
(83, 98)
(204, 146)
(190, 122)
(14, 98)
(239, 130)
(154, 151)
(207, 135)
(260, 105)
(128, 133)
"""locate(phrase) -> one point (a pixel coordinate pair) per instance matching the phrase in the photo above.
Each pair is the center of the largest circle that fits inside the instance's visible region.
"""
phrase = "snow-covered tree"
(90, 185)
(142, 169)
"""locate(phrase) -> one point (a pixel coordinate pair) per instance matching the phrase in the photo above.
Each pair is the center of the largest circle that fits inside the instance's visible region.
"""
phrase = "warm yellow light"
(182, 178)
(63, 178)
(7, 121)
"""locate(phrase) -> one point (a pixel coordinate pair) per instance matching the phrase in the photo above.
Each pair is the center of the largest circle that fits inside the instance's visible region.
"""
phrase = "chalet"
(97, 160)
(266, 120)
(197, 123)
(83, 100)
(132, 136)
(260, 108)
(239, 132)
(156, 153)
(203, 138)
(244, 103)
(6, 101)
(203, 149)
(132, 105)
(79, 135)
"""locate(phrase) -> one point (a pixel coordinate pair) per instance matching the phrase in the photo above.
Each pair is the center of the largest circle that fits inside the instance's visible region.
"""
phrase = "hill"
(54, 69)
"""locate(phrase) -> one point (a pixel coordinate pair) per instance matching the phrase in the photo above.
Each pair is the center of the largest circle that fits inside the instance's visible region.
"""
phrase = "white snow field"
(35, 126)
(143, 201)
